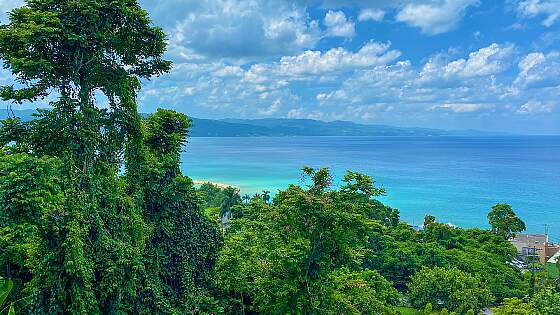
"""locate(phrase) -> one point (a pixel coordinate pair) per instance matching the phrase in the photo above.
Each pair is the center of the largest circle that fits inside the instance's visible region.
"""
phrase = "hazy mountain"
(295, 127)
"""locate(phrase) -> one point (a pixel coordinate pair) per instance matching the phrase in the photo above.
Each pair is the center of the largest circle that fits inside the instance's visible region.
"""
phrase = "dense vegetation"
(97, 218)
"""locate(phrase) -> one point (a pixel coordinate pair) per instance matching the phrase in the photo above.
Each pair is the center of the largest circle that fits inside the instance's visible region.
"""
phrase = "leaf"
(6, 286)
(12, 311)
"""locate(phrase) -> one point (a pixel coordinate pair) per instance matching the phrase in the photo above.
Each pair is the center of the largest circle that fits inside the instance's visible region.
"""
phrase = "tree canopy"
(96, 216)
(504, 221)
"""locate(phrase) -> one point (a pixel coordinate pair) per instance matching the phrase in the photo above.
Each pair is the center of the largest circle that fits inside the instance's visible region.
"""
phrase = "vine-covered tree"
(182, 244)
(85, 238)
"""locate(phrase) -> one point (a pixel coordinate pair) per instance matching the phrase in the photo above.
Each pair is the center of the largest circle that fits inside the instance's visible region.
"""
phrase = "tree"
(504, 222)
(86, 254)
(182, 244)
(546, 302)
(428, 220)
(266, 196)
(230, 199)
(513, 306)
(29, 187)
(304, 253)
(450, 288)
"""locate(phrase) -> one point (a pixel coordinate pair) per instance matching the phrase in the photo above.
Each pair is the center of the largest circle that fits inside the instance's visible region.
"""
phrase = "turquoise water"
(457, 179)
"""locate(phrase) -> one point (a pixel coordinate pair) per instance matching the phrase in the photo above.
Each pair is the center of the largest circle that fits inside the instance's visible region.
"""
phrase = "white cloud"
(371, 15)
(235, 29)
(338, 59)
(272, 109)
(533, 107)
(539, 70)
(338, 25)
(463, 107)
(486, 61)
(435, 17)
(550, 9)
(390, 92)
(334, 95)
(229, 71)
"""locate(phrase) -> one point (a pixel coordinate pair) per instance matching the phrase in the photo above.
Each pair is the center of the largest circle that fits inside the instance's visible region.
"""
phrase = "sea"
(456, 179)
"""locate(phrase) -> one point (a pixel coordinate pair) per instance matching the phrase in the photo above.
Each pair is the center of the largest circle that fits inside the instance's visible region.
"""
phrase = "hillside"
(273, 127)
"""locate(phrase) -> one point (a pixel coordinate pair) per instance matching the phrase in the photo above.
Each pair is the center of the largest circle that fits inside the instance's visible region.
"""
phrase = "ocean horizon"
(456, 179)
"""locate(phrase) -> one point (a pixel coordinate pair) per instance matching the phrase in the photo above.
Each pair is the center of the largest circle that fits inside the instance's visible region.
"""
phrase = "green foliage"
(80, 235)
(304, 252)
(546, 302)
(182, 243)
(450, 288)
(6, 287)
(97, 218)
(230, 199)
(29, 187)
(428, 309)
(504, 222)
(513, 306)
(93, 44)
(401, 252)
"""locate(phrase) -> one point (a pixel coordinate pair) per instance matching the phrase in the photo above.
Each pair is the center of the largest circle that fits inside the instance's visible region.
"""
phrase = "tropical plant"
(450, 288)
(304, 252)
(6, 286)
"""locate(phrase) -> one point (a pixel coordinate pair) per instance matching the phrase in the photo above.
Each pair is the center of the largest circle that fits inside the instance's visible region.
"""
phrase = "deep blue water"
(457, 179)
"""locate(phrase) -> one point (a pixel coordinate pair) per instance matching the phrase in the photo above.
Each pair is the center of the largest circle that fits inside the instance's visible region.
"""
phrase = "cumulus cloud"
(550, 9)
(321, 66)
(434, 17)
(486, 61)
(371, 15)
(235, 29)
(534, 107)
(337, 59)
(338, 25)
(539, 70)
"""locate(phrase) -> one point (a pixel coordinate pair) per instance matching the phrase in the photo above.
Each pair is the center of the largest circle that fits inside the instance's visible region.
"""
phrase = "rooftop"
(530, 238)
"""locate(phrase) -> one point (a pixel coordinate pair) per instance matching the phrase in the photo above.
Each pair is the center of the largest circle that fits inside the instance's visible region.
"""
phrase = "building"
(534, 247)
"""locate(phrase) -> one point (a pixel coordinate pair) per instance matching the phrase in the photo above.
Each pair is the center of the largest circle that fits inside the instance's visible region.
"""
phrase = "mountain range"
(278, 127)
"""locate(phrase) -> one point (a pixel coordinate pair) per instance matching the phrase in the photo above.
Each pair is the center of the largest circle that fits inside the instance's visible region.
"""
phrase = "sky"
(452, 64)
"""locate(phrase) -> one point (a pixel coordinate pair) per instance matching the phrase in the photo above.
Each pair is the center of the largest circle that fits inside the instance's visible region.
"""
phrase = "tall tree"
(504, 221)
(87, 256)
(182, 244)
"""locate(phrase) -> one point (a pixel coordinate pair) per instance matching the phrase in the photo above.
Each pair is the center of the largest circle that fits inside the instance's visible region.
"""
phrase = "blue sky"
(454, 64)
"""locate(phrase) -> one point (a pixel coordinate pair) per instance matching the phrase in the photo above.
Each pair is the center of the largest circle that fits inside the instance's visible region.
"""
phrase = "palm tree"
(231, 198)
(246, 198)
(266, 196)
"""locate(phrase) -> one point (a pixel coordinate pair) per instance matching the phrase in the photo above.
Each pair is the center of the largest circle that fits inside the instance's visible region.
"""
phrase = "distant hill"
(307, 127)
(295, 127)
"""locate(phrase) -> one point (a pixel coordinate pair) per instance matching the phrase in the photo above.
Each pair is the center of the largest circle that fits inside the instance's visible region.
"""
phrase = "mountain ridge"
(283, 127)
